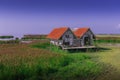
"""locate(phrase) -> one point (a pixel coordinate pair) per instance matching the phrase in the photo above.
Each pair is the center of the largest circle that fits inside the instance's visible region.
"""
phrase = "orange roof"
(80, 32)
(57, 33)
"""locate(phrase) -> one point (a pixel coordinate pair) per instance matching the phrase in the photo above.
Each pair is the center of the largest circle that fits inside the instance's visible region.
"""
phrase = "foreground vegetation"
(42, 61)
(26, 62)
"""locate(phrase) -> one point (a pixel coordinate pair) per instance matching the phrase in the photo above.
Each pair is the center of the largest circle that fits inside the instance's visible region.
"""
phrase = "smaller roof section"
(79, 32)
(57, 33)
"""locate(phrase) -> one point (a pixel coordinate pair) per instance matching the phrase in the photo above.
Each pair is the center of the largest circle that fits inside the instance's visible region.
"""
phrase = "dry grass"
(14, 53)
(111, 59)
(108, 35)
(111, 56)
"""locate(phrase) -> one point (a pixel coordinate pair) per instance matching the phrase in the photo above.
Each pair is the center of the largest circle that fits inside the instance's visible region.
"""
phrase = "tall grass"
(81, 66)
(21, 62)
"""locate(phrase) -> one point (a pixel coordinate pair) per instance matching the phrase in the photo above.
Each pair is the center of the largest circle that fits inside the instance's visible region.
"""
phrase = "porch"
(78, 47)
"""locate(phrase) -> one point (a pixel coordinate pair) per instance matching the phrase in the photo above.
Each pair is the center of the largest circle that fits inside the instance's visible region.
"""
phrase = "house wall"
(76, 42)
(56, 42)
(68, 36)
(87, 34)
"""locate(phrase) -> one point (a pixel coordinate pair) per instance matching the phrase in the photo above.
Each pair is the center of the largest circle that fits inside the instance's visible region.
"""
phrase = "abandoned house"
(85, 37)
(64, 36)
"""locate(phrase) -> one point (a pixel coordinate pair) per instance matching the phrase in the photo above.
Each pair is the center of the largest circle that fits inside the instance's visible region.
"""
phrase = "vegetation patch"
(80, 66)
(108, 41)
(42, 45)
(9, 42)
(42, 61)
(23, 62)
(6, 37)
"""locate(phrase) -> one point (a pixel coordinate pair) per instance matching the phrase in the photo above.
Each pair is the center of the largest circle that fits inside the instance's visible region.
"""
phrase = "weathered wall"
(89, 35)
(68, 36)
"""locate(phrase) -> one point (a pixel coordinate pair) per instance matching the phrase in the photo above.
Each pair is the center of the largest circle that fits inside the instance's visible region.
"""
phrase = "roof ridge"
(79, 32)
(57, 32)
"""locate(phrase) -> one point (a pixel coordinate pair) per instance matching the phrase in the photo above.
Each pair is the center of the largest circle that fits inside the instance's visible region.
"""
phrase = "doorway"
(86, 41)
(67, 43)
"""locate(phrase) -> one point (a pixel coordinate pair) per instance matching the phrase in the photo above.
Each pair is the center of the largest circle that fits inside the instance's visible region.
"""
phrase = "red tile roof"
(80, 32)
(57, 33)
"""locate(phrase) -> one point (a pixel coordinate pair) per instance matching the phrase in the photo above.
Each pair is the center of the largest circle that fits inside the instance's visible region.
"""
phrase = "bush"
(9, 42)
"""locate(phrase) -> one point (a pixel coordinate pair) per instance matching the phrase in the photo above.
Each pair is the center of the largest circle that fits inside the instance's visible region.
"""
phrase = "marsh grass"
(37, 61)
(108, 41)
(81, 65)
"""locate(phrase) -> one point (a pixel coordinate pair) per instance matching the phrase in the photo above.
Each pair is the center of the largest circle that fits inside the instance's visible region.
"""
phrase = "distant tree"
(4, 37)
(16, 38)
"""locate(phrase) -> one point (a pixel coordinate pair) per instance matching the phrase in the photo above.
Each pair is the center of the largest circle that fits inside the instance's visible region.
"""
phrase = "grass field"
(110, 57)
(108, 38)
(39, 61)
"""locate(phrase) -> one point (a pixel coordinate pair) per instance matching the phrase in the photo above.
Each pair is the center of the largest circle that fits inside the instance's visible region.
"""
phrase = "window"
(67, 36)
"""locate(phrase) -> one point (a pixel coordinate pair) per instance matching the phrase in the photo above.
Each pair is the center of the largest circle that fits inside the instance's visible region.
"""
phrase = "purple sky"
(18, 17)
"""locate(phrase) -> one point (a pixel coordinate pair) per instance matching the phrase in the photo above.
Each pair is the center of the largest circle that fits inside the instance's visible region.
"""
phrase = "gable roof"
(57, 33)
(80, 32)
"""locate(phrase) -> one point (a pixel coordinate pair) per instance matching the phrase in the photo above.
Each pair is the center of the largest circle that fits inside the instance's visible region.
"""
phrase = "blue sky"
(18, 17)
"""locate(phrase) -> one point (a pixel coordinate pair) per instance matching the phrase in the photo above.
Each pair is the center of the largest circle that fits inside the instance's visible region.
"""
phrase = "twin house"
(78, 37)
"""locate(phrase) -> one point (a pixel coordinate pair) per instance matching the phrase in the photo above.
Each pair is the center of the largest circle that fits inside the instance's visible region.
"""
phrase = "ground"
(111, 57)
(34, 62)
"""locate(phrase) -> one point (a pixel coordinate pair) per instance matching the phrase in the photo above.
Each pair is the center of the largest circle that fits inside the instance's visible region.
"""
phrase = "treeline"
(6, 37)
(9, 42)
(25, 37)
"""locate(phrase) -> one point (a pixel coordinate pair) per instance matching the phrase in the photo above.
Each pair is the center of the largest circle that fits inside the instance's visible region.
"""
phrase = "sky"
(19, 17)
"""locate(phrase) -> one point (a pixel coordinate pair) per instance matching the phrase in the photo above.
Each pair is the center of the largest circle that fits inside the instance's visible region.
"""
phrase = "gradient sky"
(18, 17)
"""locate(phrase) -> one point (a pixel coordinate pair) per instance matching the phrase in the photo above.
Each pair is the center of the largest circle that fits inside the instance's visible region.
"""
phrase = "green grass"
(107, 41)
(99, 65)
(108, 38)
(42, 61)
(58, 67)
(76, 65)
(42, 68)
(42, 45)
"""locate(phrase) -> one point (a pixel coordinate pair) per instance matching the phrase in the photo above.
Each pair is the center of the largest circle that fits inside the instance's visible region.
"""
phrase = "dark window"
(67, 36)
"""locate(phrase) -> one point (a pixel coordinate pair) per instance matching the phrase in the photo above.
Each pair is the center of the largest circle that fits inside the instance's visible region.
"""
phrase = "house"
(62, 36)
(85, 37)
(78, 37)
